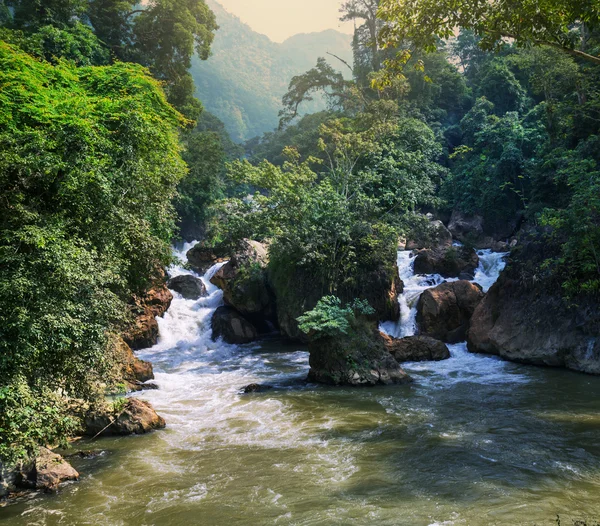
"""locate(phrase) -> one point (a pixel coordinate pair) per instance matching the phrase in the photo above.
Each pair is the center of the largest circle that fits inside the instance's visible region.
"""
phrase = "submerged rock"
(136, 417)
(230, 325)
(358, 359)
(190, 287)
(524, 317)
(255, 388)
(416, 349)
(449, 262)
(45, 472)
(444, 312)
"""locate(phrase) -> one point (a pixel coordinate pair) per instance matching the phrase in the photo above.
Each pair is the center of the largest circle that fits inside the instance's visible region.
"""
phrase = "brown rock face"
(444, 312)
(355, 360)
(230, 325)
(416, 349)
(524, 318)
(135, 418)
(46, 472)
(144, 332)
(133, 370)
(449, 262)
(201, 258)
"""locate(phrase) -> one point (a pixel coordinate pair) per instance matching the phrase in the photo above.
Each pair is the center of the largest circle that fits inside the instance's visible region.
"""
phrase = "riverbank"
(474, 440)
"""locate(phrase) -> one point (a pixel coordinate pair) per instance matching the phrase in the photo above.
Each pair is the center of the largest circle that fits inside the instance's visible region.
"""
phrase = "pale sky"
(280, 19)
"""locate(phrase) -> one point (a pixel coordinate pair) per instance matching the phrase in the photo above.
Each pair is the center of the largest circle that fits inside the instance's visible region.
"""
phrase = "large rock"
(466, 228)
(444, 312)
(416, 348)
(434, 235)
(230, 325)
(244, 282)
(144, 331)
(449, 262)
(358, 359)
(201, 257)
(190, 287)
(524, 317)
(136, 417)
(472, 229)
(45, 472)
(133, 371)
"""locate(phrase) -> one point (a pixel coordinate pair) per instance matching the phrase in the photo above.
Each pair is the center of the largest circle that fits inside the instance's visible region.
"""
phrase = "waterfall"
(490, 266)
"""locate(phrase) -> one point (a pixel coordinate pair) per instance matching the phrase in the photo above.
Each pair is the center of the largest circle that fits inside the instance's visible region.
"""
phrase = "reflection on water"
(473, 441)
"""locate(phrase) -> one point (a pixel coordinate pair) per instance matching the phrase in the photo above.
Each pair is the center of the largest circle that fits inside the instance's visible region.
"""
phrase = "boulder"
(436, 235)
(133, 371)
(466, 228)
(524, 317)
(45, 472)
(449, 262)
(230, 325)
(190, 287)
(244, 282)
(416, 349)
(144, 331)
(201, 257)
(444, 312)
(356, 359)
(136, 417)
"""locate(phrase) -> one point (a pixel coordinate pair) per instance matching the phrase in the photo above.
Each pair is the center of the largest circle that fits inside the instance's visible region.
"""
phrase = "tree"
(89, 165)
(366, 36)
(166, 35)
(322, 78)
(33, 14)
(562, 24)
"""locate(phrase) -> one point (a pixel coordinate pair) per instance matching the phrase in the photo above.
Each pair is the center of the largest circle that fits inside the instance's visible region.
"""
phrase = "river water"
(474, 440)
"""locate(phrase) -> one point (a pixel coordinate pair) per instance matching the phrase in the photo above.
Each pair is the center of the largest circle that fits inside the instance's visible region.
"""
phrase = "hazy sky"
(280, 19)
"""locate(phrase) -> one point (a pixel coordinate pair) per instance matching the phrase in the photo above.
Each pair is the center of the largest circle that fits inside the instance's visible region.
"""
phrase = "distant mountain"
(244, 80)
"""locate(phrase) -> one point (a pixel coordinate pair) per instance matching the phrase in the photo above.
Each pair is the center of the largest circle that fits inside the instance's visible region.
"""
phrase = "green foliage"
(29, 418)
(89, 163)
(555, 23)
(329, 318)
(76, 43)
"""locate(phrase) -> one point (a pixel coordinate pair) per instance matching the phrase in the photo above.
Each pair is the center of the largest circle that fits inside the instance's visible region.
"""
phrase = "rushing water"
(473, 441)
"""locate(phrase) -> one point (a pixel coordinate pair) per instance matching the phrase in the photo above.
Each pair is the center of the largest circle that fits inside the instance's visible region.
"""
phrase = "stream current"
(474, 440)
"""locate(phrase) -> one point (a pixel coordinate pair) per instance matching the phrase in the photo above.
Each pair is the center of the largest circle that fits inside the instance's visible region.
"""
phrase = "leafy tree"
(562, 24)
(89, 163)
(329, 318)
(33, 14)
(322, 78)
(366, 37)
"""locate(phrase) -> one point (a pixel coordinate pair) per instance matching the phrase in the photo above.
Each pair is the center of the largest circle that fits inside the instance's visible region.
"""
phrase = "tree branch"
(341, 60)
(573, 52)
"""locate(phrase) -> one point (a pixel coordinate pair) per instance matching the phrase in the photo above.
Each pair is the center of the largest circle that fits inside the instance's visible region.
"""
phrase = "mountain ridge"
(243, 81)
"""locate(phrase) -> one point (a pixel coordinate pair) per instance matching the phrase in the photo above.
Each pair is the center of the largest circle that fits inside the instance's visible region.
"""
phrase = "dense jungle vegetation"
(104, 150)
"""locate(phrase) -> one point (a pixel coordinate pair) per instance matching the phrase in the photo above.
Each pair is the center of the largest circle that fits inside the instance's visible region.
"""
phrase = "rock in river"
(190, 287)
(416, 349)
(230, 325)
(445, 311)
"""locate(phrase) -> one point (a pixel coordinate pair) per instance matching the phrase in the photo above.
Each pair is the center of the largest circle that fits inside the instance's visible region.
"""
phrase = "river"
(473, 441)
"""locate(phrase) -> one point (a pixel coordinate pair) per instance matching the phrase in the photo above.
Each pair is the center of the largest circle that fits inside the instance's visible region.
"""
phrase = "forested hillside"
(243, 81)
